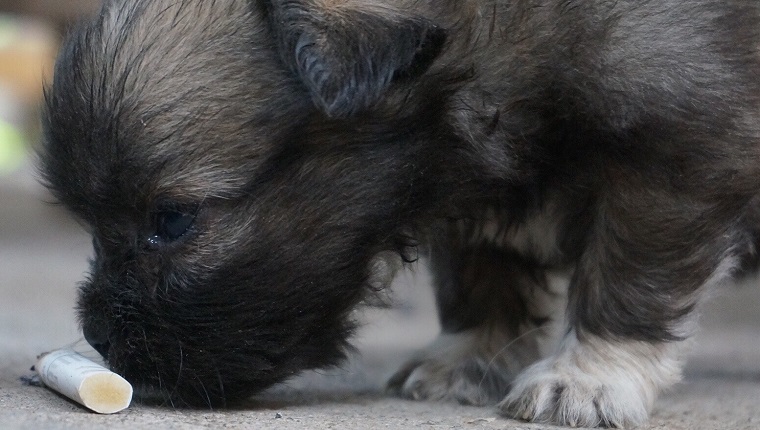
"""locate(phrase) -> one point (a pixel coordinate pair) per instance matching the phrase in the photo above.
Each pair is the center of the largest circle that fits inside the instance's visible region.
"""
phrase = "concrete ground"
(43, 254)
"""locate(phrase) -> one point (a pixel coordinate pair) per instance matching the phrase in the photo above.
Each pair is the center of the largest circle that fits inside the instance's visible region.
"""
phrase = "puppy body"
(242, 165)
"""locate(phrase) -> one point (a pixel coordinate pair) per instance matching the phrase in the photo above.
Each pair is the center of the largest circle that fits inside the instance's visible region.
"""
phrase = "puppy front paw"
(570, 397)
(470, 381)
(608, 385)
(465, 367)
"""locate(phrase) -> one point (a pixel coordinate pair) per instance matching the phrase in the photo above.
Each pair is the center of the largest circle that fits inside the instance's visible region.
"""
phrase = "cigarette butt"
(85, 382)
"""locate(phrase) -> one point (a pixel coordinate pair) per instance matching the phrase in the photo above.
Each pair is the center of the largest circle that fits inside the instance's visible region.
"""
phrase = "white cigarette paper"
(85, 382)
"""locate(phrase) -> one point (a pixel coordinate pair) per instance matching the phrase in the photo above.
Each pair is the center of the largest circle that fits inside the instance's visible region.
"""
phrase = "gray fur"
(241, 165)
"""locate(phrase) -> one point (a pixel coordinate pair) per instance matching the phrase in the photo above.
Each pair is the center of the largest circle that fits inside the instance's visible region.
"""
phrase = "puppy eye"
(170, 226)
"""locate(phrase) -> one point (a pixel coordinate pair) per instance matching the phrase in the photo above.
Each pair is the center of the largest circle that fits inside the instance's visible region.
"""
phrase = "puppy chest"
(539, 235)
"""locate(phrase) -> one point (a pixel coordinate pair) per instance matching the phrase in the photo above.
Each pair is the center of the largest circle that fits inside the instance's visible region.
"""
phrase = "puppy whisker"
(502, 351)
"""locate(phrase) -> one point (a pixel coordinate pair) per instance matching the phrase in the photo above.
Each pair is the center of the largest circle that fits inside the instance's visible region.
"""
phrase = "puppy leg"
(499, 314)
(593, 382)
(630, 300)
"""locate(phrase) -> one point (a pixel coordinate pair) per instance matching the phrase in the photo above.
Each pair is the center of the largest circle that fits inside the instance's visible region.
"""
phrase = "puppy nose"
(97, 337)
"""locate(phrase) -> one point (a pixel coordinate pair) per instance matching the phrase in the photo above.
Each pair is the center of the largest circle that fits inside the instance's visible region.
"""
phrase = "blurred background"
(30, 32)
(43, 253)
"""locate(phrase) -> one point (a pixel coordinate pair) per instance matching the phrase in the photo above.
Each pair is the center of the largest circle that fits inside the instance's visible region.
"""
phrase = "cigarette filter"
(85, 382)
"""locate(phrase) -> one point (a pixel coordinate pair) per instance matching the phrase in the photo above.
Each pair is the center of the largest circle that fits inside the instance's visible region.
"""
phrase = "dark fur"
(306, 137)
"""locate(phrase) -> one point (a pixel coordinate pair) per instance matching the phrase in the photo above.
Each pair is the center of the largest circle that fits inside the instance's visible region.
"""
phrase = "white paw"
(467, 367)
(469, 382)
(572, 398)
(593, 384)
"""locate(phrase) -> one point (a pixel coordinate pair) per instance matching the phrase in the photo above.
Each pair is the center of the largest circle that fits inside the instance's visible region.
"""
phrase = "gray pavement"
(43, 254)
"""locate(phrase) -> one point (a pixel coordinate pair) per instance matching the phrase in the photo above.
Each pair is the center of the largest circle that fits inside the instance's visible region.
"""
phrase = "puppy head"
(233, 220)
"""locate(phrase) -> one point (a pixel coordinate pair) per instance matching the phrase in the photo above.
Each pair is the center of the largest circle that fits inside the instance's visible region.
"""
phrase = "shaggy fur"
(247, 168)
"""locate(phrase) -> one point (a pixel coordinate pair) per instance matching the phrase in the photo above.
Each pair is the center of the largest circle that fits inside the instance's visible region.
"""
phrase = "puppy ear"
(348, 56)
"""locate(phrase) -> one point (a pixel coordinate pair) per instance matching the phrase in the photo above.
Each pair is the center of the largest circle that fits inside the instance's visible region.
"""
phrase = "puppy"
(577, 172)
